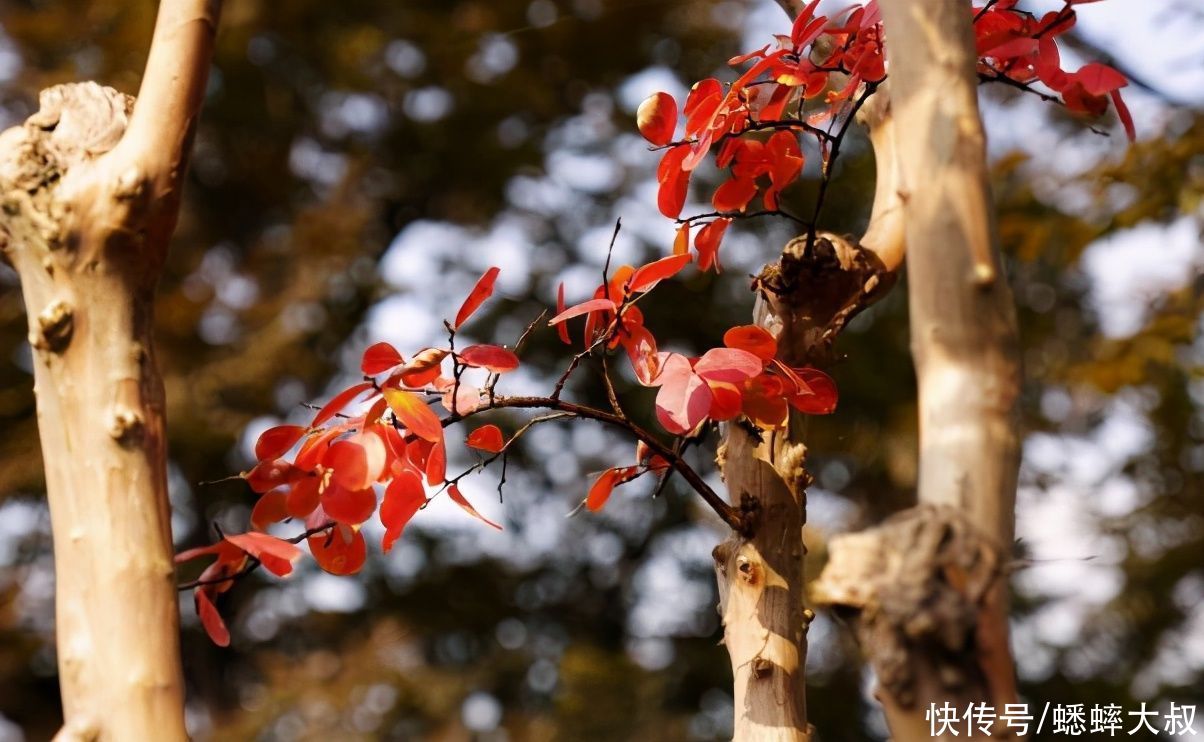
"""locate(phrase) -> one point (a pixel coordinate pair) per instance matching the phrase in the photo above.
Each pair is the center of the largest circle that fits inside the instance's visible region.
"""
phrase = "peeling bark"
(919, 586)
(89, 187)
(805, 299)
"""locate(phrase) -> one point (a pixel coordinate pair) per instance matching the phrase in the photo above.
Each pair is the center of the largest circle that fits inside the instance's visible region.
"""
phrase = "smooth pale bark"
(964, 342)
(90, 189)
(805, 299)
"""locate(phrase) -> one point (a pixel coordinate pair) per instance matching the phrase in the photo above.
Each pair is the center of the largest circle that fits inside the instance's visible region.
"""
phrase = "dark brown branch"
(726, 512)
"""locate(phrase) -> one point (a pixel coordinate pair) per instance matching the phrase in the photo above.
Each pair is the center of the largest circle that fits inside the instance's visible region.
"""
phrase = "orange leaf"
(754, 339)
(454, 493)
(403, 498)
(487, 438)
(656, 118)
(215, 627)
(482, 291)
(414, 414)
(492, 357)
(424, 367)
(681, 243)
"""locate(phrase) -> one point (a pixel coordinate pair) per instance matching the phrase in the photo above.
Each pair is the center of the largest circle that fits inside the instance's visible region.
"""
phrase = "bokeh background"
(360, 163)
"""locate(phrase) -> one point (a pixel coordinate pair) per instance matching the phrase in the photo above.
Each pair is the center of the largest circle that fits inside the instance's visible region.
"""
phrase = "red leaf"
(802, 35)
(599, 493)
(358, 462)
(1099, 79)
(755, 340)
(492, 357)
(380, 358)
(315, 447)
(215, 627)
(734, 194)
(414, 414)
(1049, 64)
(454, 493)
(347, 505)
(403, 498)
(823, 396)
(268, 475)
(487, 438)
(339, 401)
(585, 307)
(482, 291)
(707, 243)
(649, 275)
(701, 103)
(656, 118)
(562, 329)
(417, 453)
(462, 400)
(276, 554)
(269, 509)
(741, 59)
(726, 400)
(684, 398)
(274, 442)
(674, 181)
(436, 464)
(763, 401)
(342, 551)
(785, 159)
(802, 22)
(728, 365)
(641, 349)
(303, 498)
(1126, 118)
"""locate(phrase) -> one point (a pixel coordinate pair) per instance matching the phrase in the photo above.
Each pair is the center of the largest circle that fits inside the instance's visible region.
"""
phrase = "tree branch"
(159, 137)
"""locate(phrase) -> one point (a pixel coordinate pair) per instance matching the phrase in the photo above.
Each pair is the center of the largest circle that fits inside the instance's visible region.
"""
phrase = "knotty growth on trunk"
(805, 299)
(90, 189)
(928, 586)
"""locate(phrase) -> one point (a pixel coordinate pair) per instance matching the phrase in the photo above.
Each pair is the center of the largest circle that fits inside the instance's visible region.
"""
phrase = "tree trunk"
(929, 584)
(760, 576)
(89, 206)
(804, 299)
